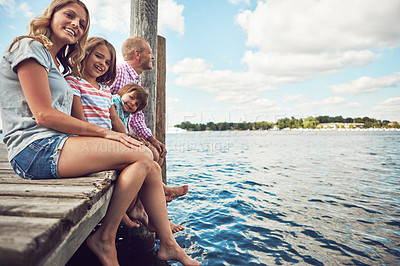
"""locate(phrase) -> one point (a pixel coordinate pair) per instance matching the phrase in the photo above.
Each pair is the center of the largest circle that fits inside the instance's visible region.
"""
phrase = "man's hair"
(140, 94)
(131, 44)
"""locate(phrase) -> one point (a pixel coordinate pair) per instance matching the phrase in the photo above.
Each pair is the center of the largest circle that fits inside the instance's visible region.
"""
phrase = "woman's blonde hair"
(108, 77)
(40, 30)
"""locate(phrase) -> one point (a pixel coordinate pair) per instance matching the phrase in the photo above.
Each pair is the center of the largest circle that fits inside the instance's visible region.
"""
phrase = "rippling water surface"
(287, 197)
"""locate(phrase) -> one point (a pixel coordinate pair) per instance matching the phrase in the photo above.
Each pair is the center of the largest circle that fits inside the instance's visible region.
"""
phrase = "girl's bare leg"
(153, 199)
(81, 156)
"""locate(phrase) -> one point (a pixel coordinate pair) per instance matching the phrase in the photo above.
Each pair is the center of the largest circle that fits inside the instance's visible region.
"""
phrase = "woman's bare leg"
(81, 156)
(153, 199)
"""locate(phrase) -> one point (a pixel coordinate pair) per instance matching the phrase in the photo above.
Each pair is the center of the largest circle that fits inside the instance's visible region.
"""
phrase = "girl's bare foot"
(175, 228)
(138, 214)
(128, 222)
(178, 191)
(105, 251)
(169, 198)
(175, 252)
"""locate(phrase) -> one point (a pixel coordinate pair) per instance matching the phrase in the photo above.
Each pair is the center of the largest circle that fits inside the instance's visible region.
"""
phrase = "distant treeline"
(309, 122)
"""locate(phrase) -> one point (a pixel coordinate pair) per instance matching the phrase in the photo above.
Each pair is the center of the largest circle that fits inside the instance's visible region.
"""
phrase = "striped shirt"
(96, 103)
(136, 122)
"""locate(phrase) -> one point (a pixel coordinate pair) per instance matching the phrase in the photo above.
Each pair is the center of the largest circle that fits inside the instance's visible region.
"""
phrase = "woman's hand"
(123, 138)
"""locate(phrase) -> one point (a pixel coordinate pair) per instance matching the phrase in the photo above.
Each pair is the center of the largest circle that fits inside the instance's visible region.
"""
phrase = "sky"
(248, 60)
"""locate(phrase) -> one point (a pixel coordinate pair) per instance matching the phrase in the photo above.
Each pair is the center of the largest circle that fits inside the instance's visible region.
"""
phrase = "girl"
(44, 141)
(93, 103)
(92, 97)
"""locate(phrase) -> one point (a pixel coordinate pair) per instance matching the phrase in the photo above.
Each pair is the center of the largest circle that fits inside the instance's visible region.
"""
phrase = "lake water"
(287, 197)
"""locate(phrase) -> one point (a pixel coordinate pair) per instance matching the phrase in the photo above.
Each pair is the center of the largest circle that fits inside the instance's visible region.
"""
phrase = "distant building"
(340, 125)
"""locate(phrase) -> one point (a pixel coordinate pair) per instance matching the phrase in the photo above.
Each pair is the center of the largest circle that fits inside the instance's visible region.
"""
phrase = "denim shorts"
(39, 159)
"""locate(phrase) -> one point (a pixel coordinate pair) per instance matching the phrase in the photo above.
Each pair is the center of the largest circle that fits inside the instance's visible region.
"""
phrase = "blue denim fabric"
(39, 159)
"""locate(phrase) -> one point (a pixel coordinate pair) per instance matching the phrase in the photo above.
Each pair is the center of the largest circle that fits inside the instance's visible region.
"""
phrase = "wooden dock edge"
(78, 233)
(71, 209)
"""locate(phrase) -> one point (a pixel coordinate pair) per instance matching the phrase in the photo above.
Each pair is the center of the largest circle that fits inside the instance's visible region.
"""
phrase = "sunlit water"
(287, 197)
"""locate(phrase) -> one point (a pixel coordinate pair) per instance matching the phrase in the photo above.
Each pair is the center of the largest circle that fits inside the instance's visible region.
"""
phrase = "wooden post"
(160, 101)
(144, 14)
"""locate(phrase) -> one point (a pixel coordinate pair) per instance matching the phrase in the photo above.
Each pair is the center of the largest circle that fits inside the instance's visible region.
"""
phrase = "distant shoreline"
(172, 131)
(309, 123)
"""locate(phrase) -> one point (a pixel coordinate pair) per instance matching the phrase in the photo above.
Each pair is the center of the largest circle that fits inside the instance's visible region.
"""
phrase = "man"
(138, 57)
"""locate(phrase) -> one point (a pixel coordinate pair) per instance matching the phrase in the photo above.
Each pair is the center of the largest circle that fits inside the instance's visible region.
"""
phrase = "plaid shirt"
(136, 122)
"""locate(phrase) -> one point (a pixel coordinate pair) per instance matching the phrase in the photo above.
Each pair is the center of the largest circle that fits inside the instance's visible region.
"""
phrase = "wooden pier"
(43, 222)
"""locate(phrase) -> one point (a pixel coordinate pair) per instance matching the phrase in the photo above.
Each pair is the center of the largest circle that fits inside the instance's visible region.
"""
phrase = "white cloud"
(170, 17)
(366, 85)
(114, 15)
(317, 37)
(173, 100)
(26, 9)
(330, 104)
(228, 86)
(388, 109)
(9, 6)
(236, 2)
(291, 98)
(294, 67)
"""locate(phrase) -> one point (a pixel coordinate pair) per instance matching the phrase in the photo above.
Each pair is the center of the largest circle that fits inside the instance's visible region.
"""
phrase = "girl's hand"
(123, 138)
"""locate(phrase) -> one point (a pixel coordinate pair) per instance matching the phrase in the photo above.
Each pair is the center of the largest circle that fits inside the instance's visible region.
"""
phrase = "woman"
(44, 141)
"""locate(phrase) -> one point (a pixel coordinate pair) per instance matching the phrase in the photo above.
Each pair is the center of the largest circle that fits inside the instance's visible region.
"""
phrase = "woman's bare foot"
(175, 252)
(178, 191)
(105, 251)
(175, 228)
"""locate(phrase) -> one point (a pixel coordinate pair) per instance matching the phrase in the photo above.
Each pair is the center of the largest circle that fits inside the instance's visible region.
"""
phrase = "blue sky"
(245, 60)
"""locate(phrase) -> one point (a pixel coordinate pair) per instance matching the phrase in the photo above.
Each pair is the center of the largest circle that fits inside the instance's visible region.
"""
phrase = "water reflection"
(288, 197)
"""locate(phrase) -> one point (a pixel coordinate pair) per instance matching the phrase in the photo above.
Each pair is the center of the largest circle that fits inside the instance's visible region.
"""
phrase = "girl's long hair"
(107, 78)
(40, 30)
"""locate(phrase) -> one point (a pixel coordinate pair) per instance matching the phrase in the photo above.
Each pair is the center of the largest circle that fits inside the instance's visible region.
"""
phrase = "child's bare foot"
(175, 228)
(175, 252)
(128, 222)
(105, 251)
(138, 213)
(178, 191)
(169, 198)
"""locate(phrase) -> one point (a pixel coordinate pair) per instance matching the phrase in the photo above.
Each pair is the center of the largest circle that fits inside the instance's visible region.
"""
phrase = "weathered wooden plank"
(144, 24)
(25, 241)
(160, 100)
(67, 209)
(49, 219)
(99, 180)
(61, 253)
(53, 191)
